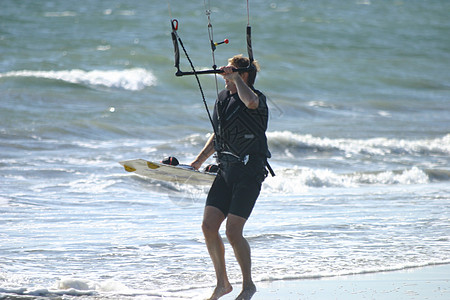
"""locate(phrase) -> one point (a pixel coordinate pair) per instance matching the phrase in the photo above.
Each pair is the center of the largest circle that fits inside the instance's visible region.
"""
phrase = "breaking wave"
(131, 79)
(297, 180)
(286, 140)
(417, 159)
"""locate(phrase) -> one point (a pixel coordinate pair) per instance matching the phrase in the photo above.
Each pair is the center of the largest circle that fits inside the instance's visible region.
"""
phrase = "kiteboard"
(180, 174)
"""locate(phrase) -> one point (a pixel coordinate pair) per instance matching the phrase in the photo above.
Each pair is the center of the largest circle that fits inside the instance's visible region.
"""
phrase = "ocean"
(359, 131)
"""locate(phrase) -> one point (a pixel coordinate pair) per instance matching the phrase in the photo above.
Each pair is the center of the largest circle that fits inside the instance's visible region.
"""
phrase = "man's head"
(239, 61)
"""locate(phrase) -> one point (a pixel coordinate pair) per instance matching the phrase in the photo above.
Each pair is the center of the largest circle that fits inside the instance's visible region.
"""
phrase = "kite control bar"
(177, 41)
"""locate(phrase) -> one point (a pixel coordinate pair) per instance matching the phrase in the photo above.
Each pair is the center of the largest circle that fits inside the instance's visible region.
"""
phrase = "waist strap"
(229, 157)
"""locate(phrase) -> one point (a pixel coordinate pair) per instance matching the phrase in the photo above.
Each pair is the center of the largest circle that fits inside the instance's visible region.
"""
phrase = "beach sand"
(431, 282)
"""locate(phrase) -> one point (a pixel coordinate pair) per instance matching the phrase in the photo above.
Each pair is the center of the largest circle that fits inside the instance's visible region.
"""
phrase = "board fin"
(152, 165)
(129, 169)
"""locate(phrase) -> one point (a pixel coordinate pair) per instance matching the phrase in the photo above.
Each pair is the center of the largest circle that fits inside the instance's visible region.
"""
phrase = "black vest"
(240, 130)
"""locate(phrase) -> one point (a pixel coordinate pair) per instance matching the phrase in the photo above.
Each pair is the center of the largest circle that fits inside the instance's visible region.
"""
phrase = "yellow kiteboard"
(180, 174)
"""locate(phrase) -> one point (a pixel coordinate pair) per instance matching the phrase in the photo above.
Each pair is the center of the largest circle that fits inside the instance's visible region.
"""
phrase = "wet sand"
(431, 282)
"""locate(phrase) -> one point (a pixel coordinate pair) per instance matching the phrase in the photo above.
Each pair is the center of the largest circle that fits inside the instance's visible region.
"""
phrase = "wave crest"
(374, 146)
(298, 180)
(131, 79)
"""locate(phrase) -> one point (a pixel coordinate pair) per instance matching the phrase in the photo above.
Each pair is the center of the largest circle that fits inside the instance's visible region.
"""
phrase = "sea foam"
(299, 179)
(130, 79)
(373, 146)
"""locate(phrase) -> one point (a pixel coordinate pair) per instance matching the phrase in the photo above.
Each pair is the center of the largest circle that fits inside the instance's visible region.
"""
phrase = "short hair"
(240, 61)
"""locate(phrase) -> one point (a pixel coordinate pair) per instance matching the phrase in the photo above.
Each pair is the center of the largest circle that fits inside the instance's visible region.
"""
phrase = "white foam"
(87, 285)
(297, 180)
(372, 146)
(66, 286)
(71, 283)
(129, 79)
(57, 14)
(410, 176)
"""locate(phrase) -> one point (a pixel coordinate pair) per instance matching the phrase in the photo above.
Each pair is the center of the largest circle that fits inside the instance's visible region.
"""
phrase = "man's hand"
(206, 152)
(237, 83)
(196, 164)
(229, 74)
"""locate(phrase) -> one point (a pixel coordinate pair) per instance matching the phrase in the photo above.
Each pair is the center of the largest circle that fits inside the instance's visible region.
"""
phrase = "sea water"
(359, 93)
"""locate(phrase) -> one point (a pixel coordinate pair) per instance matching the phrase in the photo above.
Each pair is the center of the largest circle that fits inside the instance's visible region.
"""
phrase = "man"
(240, 120)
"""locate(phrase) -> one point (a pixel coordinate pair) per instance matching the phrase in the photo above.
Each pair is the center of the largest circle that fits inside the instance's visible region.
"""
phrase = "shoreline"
(428, 282)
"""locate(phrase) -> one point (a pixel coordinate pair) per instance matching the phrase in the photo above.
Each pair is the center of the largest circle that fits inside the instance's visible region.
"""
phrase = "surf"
(135, 79)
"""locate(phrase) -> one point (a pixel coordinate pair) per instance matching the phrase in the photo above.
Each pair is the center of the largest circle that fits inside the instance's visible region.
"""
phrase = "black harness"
(241, 130)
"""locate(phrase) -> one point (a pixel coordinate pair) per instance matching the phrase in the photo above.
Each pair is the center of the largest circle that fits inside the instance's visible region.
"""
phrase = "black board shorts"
(236, 187)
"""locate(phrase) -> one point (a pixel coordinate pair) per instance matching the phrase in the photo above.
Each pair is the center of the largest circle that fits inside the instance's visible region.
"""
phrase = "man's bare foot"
(221, 291)
(247, 292)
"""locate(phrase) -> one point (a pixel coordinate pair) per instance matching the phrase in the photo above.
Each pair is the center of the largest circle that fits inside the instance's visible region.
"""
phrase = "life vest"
(240, 130)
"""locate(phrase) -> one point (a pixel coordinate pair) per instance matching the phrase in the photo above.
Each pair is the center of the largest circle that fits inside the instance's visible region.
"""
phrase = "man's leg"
(212, 219)
(234, 231)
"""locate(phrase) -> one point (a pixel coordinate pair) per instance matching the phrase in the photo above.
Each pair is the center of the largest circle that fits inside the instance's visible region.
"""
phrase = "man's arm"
(206, 152)
(250, 99)
(246, 94)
